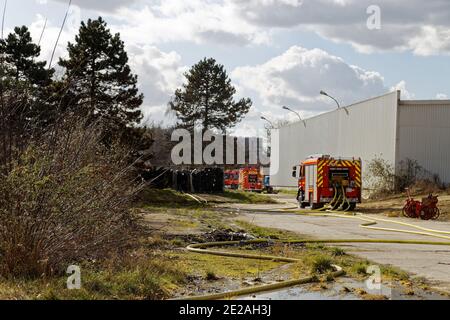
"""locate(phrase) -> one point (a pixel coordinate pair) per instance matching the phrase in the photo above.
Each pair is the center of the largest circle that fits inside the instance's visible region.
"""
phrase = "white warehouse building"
(382, 127)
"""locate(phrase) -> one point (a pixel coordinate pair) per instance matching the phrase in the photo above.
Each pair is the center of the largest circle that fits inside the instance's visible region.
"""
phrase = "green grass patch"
(211, 276)
(267, 233)
(151, 196)
(248, 197)
(183, 218)
(360, 268)
(337, 252)
(288, 191)
(139, 278)
(394, 273)
(175, 199)
(321, 264)
(237, 268)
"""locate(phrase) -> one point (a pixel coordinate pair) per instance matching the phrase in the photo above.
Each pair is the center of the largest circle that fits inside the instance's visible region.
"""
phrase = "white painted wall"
(424, 135)
(369, 130)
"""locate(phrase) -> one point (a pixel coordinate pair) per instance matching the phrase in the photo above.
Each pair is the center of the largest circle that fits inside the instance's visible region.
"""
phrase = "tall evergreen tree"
(100, 78)
(20, 54)
(206, 100)
(24, 82)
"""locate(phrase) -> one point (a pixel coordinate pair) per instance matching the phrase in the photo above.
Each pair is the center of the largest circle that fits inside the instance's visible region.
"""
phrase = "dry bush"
(64, 199)
(384, 181)
(420, 181)
(380, 177)
(426, 186)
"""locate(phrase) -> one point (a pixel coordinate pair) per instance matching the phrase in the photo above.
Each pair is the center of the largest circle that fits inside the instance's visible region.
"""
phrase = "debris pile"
(227, 235)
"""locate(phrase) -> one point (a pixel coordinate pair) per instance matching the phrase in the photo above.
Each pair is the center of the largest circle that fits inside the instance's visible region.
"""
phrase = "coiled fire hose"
(369, 223)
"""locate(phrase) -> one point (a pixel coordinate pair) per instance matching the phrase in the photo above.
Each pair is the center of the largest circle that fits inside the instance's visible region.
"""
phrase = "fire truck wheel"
(303, 205)
(314, 206)
(352, 206)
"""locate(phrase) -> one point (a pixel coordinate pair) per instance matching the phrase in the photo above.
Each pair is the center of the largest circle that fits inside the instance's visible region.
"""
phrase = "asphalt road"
(430, 262)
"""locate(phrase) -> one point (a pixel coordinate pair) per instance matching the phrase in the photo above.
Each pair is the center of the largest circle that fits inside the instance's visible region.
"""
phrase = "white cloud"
(196, 20)
(441, 96)
(296, 77)
(431, 40)
(159, 74)
(50, 34)
(420, 26)
(405, 94)
(293, 78)
(101, 5)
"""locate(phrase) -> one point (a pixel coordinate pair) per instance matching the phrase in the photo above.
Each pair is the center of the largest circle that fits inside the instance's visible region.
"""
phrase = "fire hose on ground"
(369, 223)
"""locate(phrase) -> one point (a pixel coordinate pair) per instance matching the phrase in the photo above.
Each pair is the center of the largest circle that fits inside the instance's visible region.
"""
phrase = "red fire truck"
(325, 180)
(231, 179)
(251, 179)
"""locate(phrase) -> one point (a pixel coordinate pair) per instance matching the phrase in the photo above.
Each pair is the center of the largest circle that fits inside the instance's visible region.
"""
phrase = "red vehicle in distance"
(231, 179)
(251, 179)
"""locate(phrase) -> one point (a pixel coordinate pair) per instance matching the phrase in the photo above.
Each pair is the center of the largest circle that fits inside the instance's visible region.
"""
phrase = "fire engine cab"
(325, 180)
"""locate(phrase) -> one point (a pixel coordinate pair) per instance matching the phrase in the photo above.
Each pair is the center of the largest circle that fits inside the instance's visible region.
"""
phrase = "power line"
(42, 33)
(3, 18)
(59, 34)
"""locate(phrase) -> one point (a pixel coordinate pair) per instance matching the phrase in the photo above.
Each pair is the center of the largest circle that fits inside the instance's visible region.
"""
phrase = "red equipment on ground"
(425, 210)
(326, 180)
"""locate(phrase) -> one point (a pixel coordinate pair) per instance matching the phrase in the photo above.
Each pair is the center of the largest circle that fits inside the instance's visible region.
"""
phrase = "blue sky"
(277, 52)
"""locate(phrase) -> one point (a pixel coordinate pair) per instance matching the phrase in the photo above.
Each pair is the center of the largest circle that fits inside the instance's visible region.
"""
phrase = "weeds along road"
(430, 262)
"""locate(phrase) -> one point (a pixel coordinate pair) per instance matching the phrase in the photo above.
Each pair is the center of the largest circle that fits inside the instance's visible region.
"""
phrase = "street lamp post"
(269, 148)
(338, 105)
(270, 122)
(298, 114)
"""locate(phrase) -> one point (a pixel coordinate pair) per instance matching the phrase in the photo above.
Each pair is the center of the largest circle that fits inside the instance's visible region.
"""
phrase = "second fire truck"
(231, 179)
(251, 179)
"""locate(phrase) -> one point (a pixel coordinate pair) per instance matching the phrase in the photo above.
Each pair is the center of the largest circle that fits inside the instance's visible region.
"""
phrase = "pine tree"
(206, 100)
(100, 78)
(20, 54)
(24, 82)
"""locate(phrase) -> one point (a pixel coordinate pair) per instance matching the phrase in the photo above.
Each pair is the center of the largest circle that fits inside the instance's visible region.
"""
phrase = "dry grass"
(64, 200)
(137, 275)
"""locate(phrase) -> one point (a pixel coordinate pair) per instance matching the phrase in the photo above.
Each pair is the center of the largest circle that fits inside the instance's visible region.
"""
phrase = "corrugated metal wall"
(367, 131)
(424, 135)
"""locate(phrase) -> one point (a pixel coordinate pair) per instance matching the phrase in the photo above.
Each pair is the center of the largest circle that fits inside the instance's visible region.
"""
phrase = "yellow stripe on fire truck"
(358, 178)
(320, 181)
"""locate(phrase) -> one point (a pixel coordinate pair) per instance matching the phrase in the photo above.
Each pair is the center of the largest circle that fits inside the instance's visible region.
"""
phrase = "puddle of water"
(301, 293)
(336, 291)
